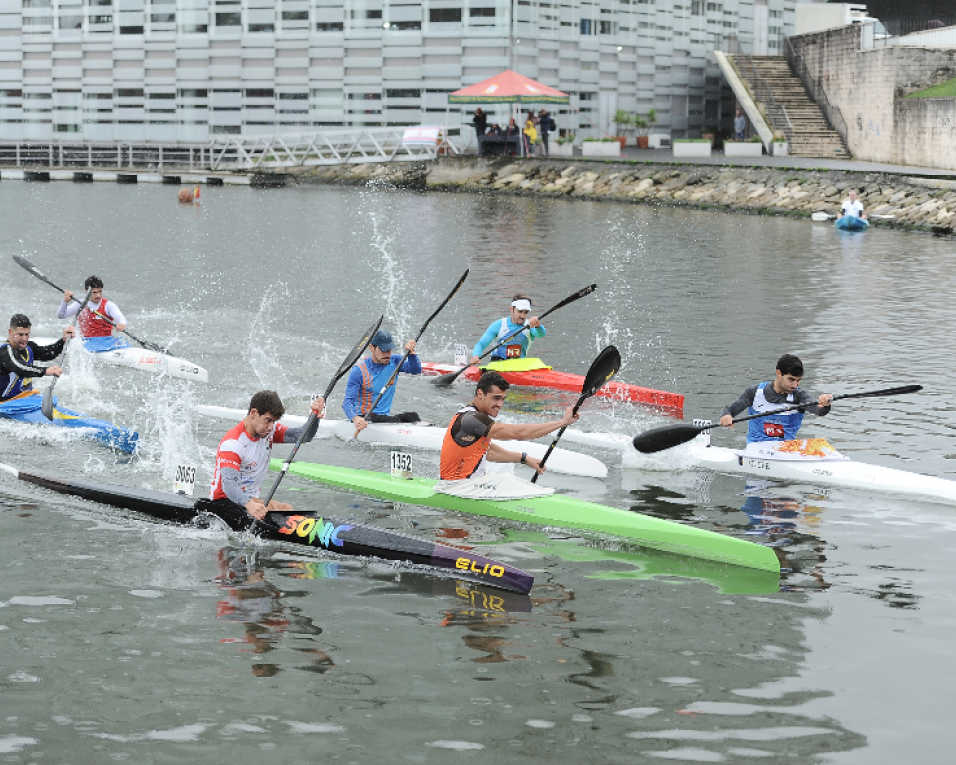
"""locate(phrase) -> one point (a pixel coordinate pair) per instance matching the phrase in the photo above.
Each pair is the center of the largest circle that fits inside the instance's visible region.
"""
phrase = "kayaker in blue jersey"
(783, 390)
(370, 375)
(17, 357)
(517, 347)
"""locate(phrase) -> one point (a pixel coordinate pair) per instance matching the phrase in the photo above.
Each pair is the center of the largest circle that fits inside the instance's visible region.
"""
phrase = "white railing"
(331, 147)
(282, 150)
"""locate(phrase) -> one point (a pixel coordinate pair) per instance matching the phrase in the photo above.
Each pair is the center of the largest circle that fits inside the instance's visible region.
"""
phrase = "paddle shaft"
(28, 266)
(345, 367)
(450, 378)
(602, 369)
(421, 332)
(674, 435)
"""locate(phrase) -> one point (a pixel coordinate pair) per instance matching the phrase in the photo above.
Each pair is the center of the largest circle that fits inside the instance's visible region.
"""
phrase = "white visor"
(521, 305)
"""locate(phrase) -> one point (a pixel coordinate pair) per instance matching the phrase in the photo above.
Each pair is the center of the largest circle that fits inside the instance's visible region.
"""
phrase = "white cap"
(522, 305)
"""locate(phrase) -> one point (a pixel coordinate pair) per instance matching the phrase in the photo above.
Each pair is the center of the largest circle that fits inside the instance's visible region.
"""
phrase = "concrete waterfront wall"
(925, 204)
(869, 88)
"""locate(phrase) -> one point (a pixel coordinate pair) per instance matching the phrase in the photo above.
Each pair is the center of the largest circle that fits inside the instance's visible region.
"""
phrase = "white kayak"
(146, 360)
(430, 437)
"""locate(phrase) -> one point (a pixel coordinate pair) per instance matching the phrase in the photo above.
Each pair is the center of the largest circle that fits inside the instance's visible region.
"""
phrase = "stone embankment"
(918, 203)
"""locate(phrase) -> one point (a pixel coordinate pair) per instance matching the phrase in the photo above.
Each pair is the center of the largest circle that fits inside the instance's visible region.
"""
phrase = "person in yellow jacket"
(530, 135)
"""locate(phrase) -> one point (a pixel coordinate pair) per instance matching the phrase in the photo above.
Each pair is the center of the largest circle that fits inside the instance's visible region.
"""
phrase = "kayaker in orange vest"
(467, 445)
(96, 330)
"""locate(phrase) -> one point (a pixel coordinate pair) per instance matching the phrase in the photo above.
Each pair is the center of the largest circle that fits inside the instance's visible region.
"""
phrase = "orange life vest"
(458, 462)
(94, 325)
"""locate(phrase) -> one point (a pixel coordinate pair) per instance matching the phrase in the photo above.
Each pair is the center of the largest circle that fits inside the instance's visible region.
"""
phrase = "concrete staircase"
(812, 137)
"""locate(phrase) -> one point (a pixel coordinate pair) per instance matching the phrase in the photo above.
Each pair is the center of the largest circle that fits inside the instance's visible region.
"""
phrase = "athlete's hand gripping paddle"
(419, 337)
(603, 368)
(448, 379)
(350, 360)
(659, 439)
(46, 406)
(26, 264)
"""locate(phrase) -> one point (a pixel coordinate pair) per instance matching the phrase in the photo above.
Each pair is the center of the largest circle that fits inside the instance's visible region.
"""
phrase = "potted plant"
(563, 146)
(691, 147)
(779, 146)
(623, 120)
(601, 147)
(751, 148)
(643, 126)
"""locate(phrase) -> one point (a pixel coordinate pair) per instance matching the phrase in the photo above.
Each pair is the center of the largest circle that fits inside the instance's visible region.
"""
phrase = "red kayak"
(534, 373)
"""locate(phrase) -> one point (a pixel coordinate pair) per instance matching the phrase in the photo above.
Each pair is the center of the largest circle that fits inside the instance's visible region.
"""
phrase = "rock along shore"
(915, 203)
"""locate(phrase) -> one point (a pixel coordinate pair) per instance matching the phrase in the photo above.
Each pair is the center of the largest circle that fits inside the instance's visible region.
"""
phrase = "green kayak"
(554, 510)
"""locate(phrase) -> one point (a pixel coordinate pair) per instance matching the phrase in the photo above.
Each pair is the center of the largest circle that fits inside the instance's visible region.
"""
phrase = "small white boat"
(430, 437)
(145, 360)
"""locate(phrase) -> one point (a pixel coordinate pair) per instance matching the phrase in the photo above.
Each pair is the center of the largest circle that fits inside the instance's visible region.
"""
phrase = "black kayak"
(295, 528)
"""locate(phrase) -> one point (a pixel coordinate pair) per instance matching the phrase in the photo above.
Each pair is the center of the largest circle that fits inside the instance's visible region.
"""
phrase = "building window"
(481, 12)
(330, 26)
(444, 15)
(586, 26)
(228, 19)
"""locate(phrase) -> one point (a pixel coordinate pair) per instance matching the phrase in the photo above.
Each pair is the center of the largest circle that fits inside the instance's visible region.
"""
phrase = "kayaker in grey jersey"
(783, 390)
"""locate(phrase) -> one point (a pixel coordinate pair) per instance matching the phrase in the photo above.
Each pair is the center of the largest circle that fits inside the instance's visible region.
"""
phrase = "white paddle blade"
(820, 216)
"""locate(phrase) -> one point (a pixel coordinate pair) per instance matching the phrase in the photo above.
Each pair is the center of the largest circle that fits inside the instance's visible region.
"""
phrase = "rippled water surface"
(127, 640)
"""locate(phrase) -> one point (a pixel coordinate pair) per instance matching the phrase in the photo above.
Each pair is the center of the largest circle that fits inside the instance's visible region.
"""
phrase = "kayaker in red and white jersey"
(517, 347)
(783, 390)
(242, 460)
(97, 332)
(17, 357)
(467, 445)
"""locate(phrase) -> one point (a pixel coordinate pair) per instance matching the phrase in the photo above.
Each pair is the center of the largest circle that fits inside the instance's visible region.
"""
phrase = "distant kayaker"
(18, 354)
(467, 445)
(370, 375)
(517, 347)
(783, 390)
(97, 332)
(242, 460)
(852, 207)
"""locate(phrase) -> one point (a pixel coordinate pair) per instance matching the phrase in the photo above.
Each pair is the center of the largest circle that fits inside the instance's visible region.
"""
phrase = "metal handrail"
(779, 118)
(831, 112)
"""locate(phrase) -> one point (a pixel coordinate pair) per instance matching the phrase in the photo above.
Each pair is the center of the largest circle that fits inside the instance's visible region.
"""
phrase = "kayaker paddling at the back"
(242, 460)
(783, 390)
(368, 378)
(517, 347)
(468, 446)
(95, 327)
(19, 354)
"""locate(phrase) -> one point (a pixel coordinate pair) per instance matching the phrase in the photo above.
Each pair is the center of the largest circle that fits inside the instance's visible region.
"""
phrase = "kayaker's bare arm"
(530, 431)
(498, 453)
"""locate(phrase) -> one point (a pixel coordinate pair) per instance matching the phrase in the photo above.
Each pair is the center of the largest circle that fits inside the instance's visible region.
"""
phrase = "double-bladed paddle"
(603, 368)
(448, 379)
(26, 264)
(820, 216)
(419, 337)
(346, 366)
(46, 406)
(659, 439)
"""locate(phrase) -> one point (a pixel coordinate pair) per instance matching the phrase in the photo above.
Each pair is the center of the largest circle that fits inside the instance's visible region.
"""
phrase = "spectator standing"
(740, 126)
(512, 132)
(530, 135)
(545, 126)
(481, 121)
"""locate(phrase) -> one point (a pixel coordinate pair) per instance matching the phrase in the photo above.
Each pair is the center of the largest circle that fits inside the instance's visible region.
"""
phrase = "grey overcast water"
(123, 639)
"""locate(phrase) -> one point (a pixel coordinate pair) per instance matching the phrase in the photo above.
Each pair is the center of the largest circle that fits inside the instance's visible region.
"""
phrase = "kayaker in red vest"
(467, 445)
(97, 332)
(17, 357)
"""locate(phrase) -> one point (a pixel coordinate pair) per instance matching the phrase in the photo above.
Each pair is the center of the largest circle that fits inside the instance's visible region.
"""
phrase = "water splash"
(396, 288)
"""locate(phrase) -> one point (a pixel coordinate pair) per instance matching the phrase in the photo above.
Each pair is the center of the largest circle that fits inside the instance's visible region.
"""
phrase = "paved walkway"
(801, 163)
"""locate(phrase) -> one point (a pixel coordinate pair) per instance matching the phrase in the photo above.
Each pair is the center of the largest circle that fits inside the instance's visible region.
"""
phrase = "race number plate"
(401, 465)
(461, 353)
(703, 437)
(185, 480)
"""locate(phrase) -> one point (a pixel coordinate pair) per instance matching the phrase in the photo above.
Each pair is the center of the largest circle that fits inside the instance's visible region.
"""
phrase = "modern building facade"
(191, 70)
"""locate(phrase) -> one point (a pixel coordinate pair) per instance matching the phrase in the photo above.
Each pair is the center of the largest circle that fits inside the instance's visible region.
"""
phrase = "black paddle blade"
(668, 437)
(603, 368)
(903, 389)
(576, 296)
(46, 406)
(353, 356)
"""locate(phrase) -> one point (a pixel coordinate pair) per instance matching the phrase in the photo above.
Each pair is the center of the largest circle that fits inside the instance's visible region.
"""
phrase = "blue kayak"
(852, 223)
(26, 408)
